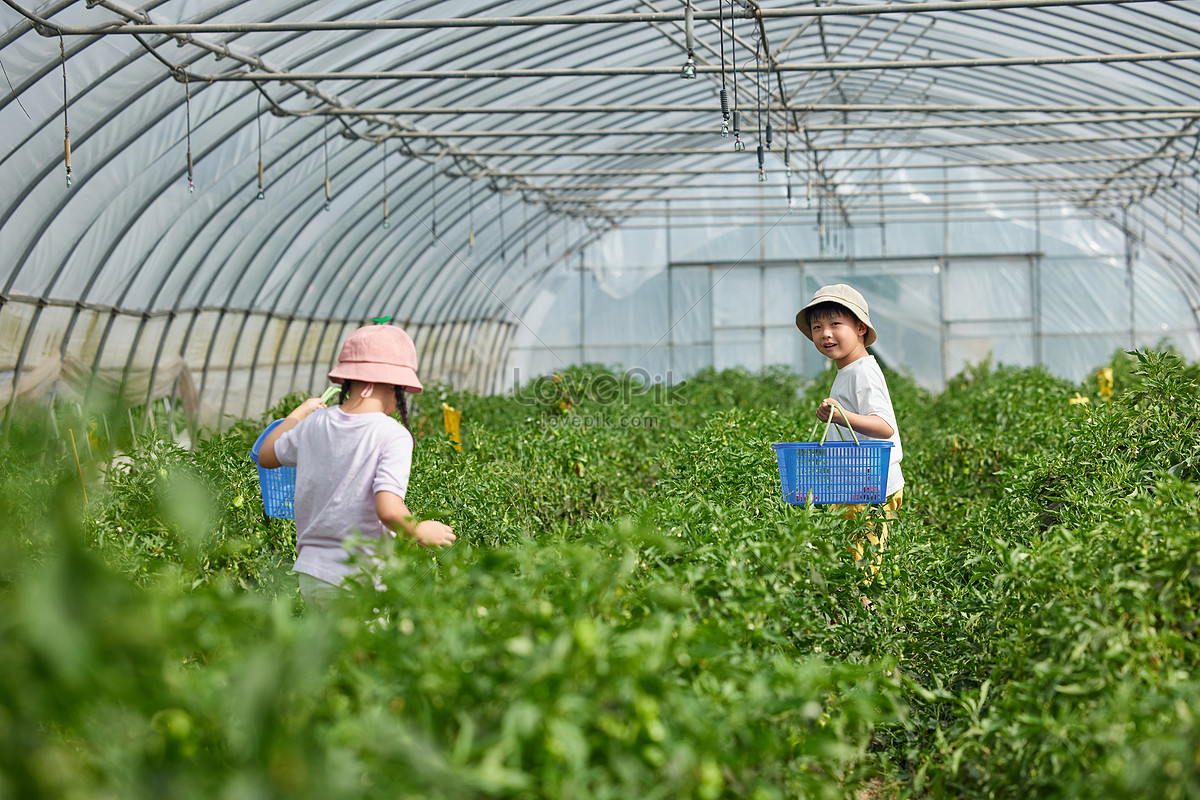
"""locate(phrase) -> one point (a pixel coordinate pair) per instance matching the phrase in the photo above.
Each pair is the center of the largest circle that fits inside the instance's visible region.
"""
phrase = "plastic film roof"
(251, 181)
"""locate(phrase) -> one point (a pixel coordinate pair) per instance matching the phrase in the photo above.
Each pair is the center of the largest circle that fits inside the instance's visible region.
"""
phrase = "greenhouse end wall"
(670, 300)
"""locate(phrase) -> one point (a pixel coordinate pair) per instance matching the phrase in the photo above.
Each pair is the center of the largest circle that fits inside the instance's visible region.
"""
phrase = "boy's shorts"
(876, 532)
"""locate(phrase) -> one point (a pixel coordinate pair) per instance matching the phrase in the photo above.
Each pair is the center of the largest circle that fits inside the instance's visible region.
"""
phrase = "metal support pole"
(1129, 283)
(670, 304)
(1039, 343)
(943, 284)
(582, 309)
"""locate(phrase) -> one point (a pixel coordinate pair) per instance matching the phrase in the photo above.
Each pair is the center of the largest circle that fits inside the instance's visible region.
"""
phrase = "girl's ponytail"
(401, 406)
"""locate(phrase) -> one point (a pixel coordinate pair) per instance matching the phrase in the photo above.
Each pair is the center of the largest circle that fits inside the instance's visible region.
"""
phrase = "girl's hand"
(393, 513)
(432, 533)
(266, 452)
(307, 407)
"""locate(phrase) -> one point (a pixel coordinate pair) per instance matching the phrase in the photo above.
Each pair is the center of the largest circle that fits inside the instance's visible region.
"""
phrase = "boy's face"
(839, 336)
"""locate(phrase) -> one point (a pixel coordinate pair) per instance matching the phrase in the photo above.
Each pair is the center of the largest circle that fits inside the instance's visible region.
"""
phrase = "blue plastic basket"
(278, 485)
(833, 472)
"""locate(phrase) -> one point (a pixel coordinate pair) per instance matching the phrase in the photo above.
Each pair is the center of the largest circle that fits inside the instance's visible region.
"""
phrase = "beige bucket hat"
(843, 295)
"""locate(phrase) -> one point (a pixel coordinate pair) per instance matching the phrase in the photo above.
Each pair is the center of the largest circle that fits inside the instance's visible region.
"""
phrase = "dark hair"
(401, 403)
(825, 310)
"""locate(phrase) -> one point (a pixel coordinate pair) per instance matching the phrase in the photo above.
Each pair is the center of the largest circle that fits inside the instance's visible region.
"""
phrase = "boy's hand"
(432, 533)
(829, 407)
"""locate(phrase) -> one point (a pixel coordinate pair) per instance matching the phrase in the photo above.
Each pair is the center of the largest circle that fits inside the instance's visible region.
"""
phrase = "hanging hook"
(386, 222)
(261, 193)
(187, 89)
(471, 217)
(62, 50)
(325, 153)
(689, 67)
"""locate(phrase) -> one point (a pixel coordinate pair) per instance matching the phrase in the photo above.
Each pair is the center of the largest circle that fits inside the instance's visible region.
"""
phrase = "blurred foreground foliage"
(631, 609)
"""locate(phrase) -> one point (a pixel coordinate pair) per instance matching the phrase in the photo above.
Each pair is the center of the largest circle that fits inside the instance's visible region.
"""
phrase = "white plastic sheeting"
(1066, 293)
(1036, 212)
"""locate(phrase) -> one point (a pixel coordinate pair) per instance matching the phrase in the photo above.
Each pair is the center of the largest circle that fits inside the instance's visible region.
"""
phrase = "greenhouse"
(528, 187)
(597, 223)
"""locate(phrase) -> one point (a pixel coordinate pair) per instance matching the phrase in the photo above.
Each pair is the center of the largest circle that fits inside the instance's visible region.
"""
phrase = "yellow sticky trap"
(1078, 399)
(1104, 383)
(451, 419)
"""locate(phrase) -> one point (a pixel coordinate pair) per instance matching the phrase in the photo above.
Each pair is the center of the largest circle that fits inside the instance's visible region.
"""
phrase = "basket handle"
(825, 435)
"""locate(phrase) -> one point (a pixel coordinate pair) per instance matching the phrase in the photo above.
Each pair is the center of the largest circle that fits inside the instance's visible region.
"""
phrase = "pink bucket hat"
(846, 296)
(379, 354)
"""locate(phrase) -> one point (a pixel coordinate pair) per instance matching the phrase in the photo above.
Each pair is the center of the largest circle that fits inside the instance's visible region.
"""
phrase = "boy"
(837, 322)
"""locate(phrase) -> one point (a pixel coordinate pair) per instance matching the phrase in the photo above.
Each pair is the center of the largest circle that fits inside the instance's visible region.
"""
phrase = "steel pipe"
(672, 70)
(708, 151)
(707, 130)
(807, 108)
(774, 191)
(46, 27)
(798, 180)
(749, 170)
(781, 211)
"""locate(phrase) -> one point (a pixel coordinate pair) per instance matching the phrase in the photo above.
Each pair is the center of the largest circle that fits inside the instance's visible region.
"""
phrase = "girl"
(352, 461)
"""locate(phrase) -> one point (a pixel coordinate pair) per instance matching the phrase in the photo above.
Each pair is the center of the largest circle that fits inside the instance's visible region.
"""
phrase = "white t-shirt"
(341, 461)
(861, 389)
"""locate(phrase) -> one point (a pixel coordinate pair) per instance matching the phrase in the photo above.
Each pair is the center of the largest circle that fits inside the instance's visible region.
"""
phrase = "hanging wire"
(524, 231)
(787, 169)
(14, 91)
(724, 93)
(820, 222)
(62, 50)
(433, 182)
(1166, 199)
(809, 164)
(261, 194)
(386, 222)
(503, 238)
(187, 104)
(758, 110)
(325, 151)
(766, 111)
(738, 144)
(471, 216)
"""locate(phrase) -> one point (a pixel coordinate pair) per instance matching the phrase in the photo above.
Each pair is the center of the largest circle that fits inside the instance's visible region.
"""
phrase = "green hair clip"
(381, 320)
